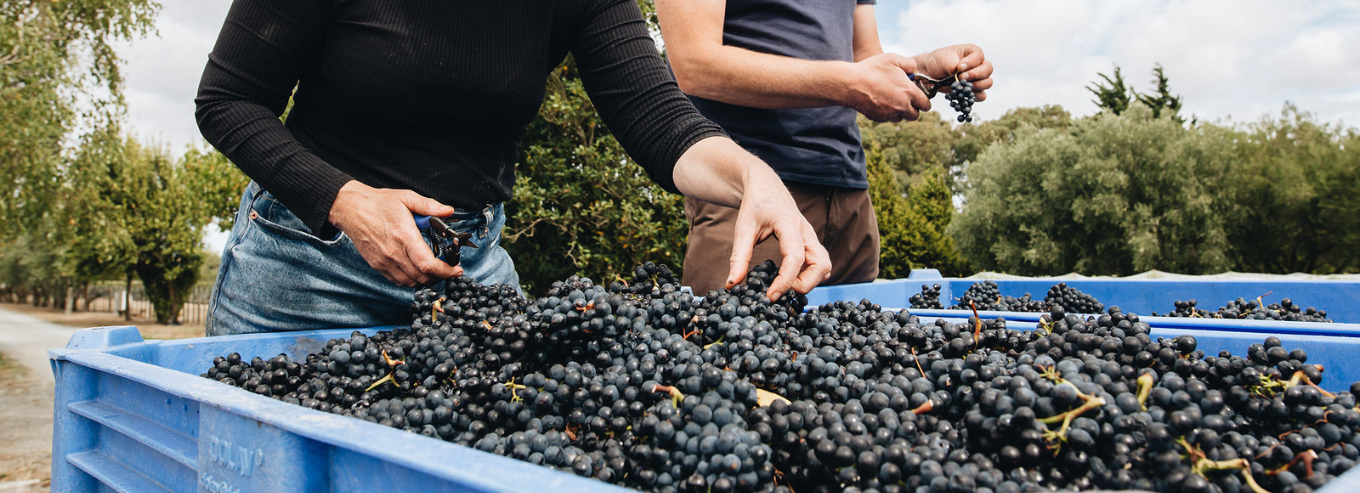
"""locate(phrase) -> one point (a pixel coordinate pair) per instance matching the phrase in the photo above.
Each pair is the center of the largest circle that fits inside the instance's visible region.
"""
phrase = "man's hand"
(966, 60)
(881, 90)
(718, 171)
(379, 222)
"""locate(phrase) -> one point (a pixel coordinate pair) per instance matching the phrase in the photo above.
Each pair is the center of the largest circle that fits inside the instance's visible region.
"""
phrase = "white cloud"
(1227, 58)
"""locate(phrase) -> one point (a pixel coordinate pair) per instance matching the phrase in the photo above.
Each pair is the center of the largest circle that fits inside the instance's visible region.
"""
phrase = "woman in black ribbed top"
(418, 106)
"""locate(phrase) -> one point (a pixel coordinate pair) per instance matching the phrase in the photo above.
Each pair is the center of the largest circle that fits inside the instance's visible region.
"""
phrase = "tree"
(911, 228)
(913, 150)
(581, 206)
(1162, 100)
(50, 51)
(907, 166)
(1296, 196)
(579, 198)
(1113, 195)
(974, 137)
(1112, 95)
(142, 212)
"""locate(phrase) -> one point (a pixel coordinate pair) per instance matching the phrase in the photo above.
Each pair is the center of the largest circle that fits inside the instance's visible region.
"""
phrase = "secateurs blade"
(931, 86)
(447, 241)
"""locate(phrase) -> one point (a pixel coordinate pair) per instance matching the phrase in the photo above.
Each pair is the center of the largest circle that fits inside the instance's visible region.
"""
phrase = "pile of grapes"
(641, 385)
(1073, 300)
(1240, 308)
(929, 298)
(986, 295)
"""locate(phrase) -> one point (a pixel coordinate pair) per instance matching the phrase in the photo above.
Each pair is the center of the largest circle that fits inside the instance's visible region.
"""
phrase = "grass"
(11, 373)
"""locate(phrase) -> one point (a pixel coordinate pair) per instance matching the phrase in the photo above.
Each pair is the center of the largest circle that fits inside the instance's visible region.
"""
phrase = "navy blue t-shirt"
(820, 146)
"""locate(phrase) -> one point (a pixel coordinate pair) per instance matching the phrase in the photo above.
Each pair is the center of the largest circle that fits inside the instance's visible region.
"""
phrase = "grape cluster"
(929, 298)
(1187, 309)
(1252, 309)
(982, 294)
(643, 385)
(1072, 299)
(1284, 310)
(986, 295)
(961, 99)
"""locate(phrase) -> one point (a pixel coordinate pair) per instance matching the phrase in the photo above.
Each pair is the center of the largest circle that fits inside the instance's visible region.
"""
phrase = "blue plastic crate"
(134, 416)
(1341, 299)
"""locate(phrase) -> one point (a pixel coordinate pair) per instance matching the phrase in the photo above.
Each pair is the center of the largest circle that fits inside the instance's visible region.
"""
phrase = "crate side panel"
(238, 454)
(146, 461)
(178, 414)
(71, 433)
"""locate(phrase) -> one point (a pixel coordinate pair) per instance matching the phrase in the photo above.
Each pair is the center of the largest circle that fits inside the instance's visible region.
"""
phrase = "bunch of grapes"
(1073, 300)
(1285, 310)
(929, 298)
(1252, 309)
(986, 295)
(1186, 309)
(642, 385)
(961, 98)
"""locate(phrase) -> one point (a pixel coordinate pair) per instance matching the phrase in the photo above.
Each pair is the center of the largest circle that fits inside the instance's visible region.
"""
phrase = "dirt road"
(26, 401)
(26, 385)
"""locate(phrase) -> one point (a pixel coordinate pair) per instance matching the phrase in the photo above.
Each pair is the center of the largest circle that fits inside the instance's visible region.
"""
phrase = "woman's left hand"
(718, 171)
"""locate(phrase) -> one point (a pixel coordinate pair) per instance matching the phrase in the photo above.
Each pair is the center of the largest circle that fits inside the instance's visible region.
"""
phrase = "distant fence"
(109, 298)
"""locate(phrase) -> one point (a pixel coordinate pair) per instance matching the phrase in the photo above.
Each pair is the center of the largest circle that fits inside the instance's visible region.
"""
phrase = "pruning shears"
(930, 86)
(446, 241)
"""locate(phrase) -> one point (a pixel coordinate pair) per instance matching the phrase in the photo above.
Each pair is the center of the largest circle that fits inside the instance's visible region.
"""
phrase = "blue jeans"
(278, 276)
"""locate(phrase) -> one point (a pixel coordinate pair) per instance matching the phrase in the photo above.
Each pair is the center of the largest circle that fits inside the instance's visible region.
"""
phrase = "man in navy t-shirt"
(785, 78)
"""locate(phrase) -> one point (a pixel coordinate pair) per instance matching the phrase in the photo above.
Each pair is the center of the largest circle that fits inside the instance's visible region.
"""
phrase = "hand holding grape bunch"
(965, 72)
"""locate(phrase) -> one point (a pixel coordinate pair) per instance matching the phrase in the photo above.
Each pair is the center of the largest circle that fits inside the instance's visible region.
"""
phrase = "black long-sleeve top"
(427, 95)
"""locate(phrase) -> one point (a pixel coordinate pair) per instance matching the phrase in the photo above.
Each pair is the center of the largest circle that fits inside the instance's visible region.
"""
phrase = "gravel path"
(27, 339)
(26, 385)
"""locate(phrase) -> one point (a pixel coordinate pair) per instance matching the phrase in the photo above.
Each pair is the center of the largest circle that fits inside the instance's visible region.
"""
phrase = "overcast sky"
(1237, 59)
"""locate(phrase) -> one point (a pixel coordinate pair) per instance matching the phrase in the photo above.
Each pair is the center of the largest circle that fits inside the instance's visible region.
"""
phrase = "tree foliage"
(1295, 192)
(908, 167)
(156, 206)
(1112, 94)
(52, 54)
(581, 205)
(1114, 195)
(1120, 194)
(911, 227)
(1161, 99)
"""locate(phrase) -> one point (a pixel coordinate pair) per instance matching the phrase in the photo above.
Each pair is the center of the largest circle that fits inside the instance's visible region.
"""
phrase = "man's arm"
(866, 33)
(876, 85)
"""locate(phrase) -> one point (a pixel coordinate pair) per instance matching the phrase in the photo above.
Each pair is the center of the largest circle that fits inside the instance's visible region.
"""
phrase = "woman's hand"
(718, 171)
(379, 222)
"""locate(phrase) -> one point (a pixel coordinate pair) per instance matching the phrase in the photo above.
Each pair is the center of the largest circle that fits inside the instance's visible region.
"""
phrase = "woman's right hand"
(379, 222)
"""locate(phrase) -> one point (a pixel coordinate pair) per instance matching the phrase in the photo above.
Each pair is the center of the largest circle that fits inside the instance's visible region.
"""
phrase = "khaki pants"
(843, 218)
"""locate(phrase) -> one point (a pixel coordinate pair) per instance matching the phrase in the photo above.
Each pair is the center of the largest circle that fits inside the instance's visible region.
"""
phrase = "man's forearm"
(759, 80)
